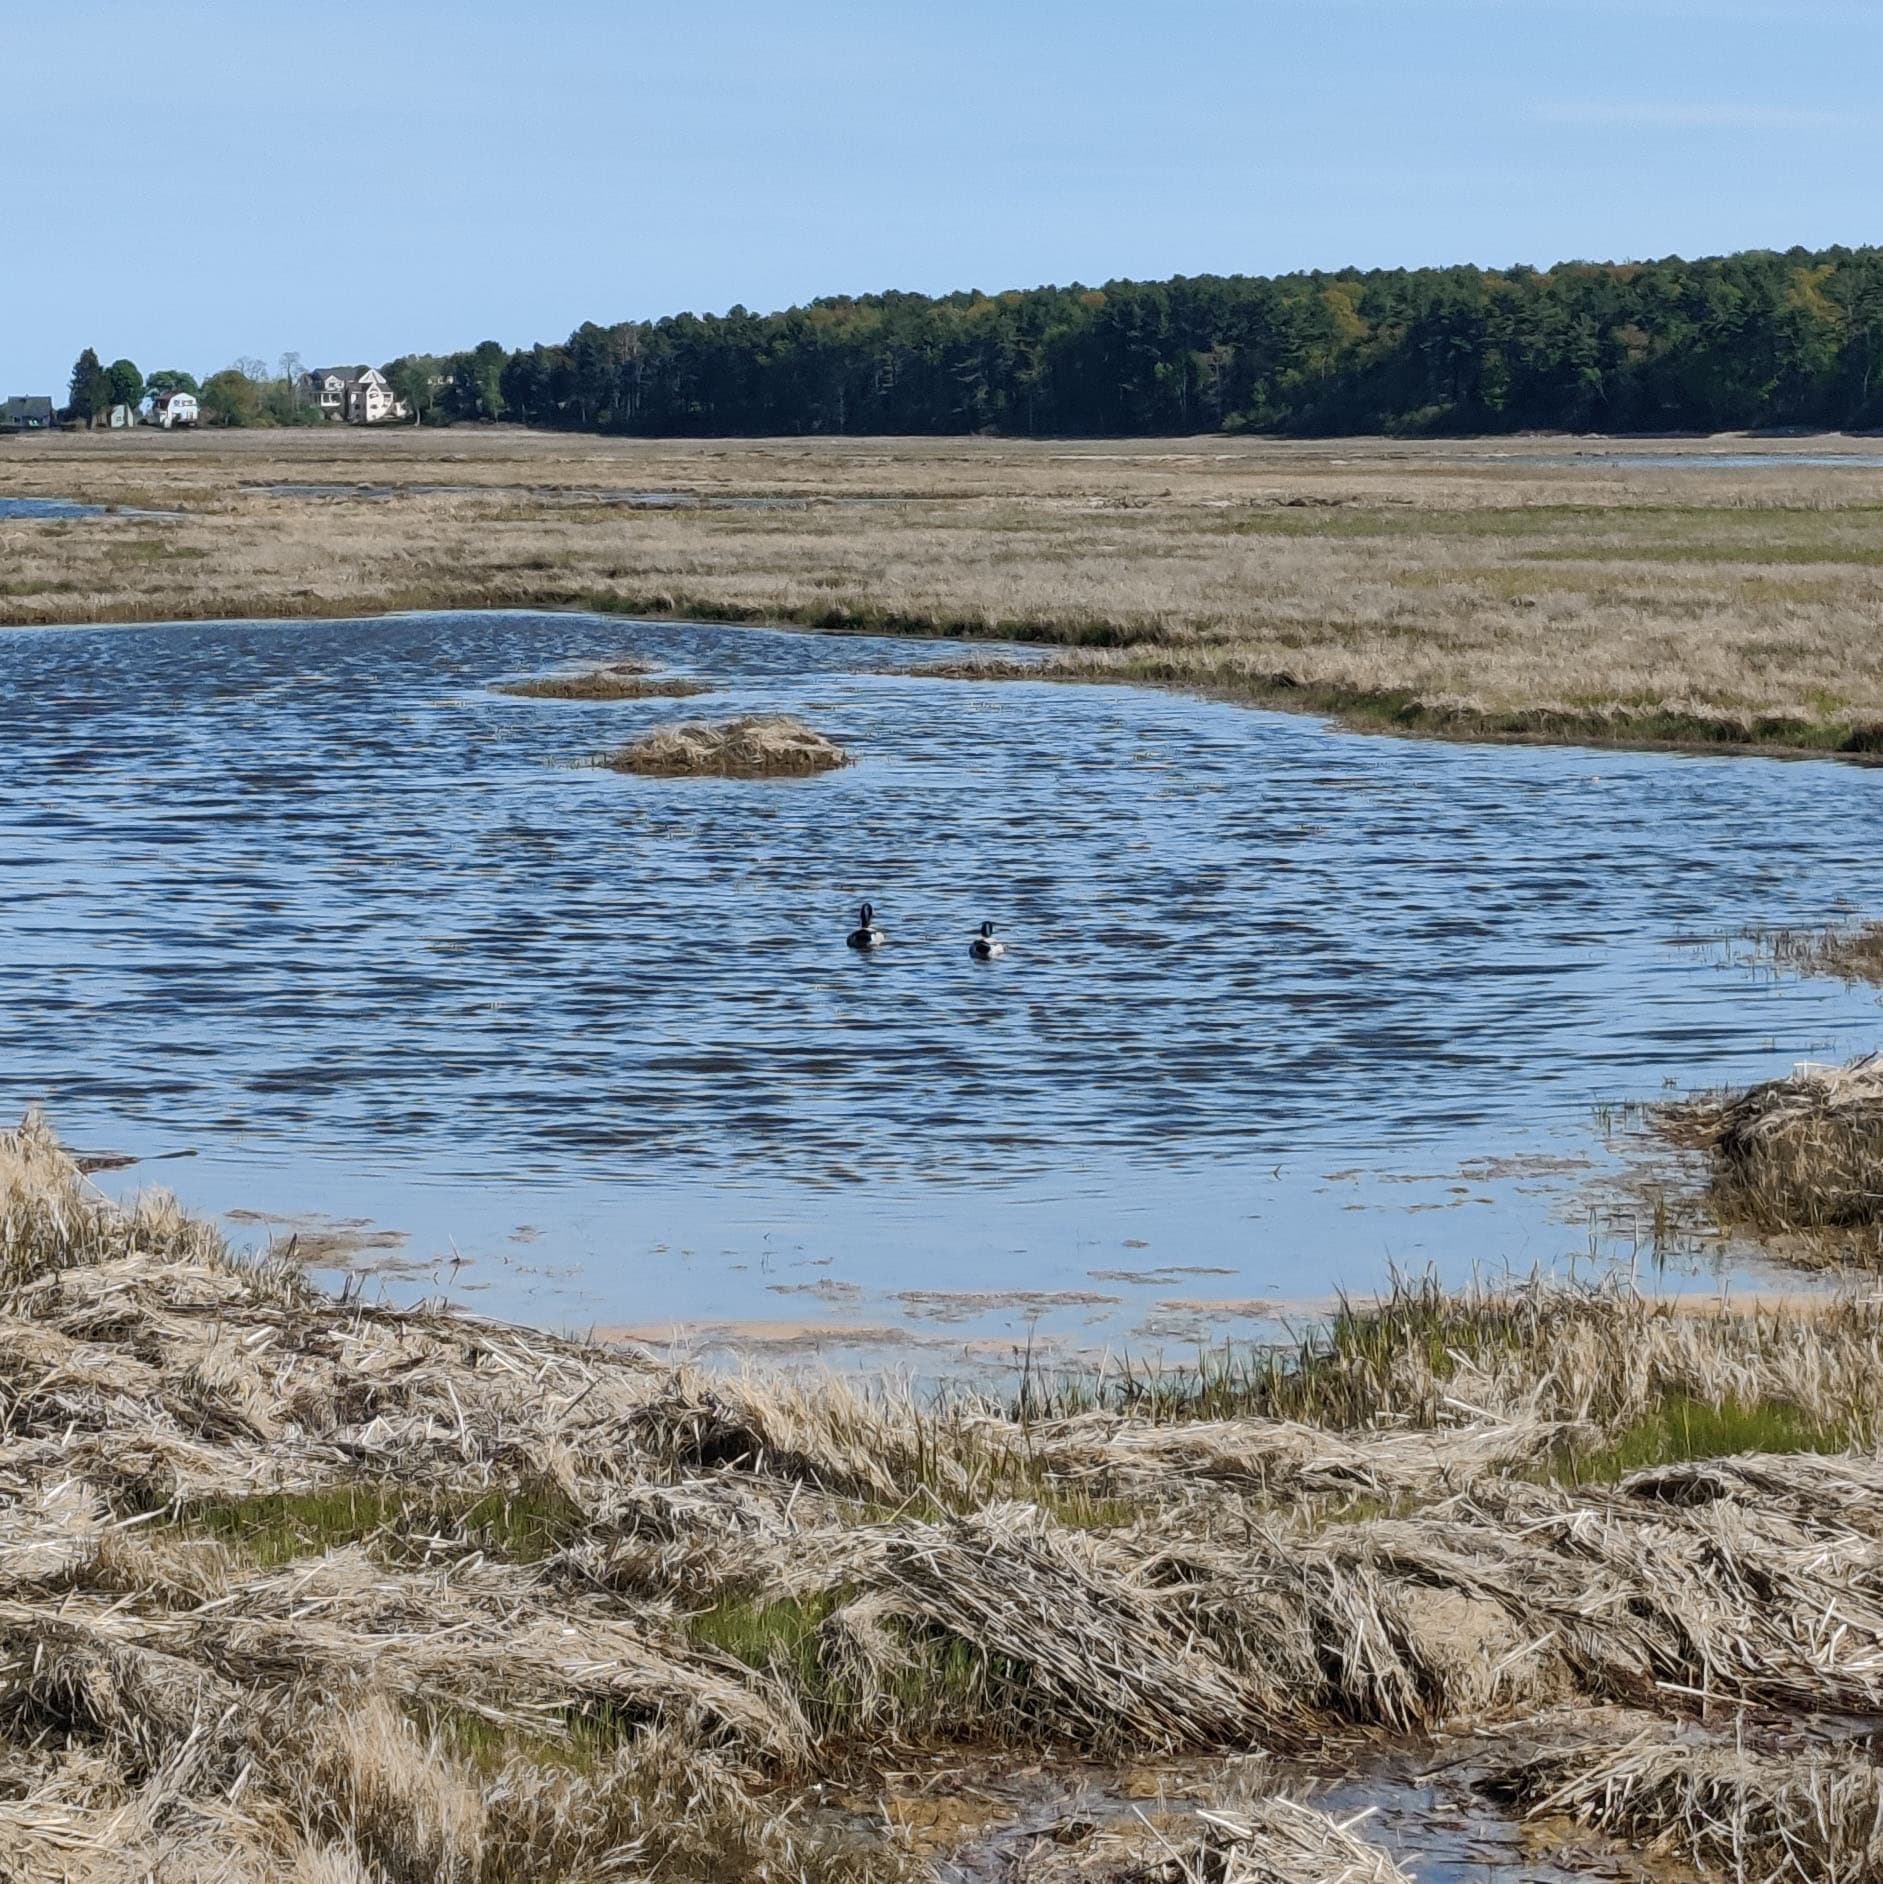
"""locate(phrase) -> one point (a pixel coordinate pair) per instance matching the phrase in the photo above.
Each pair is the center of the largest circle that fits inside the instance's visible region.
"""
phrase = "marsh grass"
(930, 1677)
(625, 681)
(1850, 951)
(1799, 1155)
(1682, 1429)
(753, 745)
(466, 1602)
(1417, 590)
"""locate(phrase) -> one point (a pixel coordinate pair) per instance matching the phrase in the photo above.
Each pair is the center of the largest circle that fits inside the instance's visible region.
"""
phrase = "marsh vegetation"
(1798, 1158)
(298, 1588)
(752, 745)
(1850, 951)
(618, 681)
(1561, 594)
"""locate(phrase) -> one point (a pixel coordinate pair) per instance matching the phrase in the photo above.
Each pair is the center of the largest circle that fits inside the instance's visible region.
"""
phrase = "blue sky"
(189, 181)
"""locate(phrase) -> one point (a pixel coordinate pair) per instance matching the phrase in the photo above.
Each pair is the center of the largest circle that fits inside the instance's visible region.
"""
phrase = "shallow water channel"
(329, 936)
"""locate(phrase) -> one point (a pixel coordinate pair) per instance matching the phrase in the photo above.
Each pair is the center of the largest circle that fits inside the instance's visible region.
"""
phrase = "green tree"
(91, 388)
(420, 379)
(127, 384)
(167, 379)
(231, 398)
(478, 381)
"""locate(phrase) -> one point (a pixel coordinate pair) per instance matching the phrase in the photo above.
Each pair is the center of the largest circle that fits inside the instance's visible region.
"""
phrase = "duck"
(866, 935)
(984, 948)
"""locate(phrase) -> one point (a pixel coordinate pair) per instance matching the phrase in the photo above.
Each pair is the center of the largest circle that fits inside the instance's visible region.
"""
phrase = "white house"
(173, 409)
(357, 395)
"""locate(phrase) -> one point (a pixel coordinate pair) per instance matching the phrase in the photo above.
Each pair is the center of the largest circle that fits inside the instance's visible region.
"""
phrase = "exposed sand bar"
(1562, 589)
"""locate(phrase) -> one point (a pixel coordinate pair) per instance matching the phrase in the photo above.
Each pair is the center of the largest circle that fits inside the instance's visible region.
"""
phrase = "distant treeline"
(1758, 339)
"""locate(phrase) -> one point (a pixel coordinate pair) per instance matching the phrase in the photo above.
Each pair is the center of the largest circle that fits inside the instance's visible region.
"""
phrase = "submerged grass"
(1852, 952)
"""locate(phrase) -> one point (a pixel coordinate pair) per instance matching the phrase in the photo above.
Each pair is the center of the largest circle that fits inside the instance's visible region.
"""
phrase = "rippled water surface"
(1282, 1006)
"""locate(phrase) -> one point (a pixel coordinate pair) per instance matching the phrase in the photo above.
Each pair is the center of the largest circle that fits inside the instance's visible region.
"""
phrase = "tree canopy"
(231, 398)
(1756, 339)
(126, 383)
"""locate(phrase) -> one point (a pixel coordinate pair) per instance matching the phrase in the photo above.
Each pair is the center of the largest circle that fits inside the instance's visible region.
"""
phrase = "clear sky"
(188, 181)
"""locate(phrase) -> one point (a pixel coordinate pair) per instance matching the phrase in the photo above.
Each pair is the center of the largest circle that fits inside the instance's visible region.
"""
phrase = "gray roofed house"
(26, 415)
(359, 395)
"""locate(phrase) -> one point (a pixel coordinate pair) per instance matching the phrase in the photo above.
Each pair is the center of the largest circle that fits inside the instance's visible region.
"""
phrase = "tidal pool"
(1283, 1008)
(37, 509)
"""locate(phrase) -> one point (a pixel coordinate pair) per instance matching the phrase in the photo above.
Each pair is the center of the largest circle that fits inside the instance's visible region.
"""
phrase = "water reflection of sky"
(36, 509)
(1282, 1007)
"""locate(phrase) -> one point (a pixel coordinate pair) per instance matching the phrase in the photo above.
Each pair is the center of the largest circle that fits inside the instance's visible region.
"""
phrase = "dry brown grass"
(1802, 1153)
(1793, 1815)
(1445, 589)
(291, 1588)
(622, 681)
(755, 745)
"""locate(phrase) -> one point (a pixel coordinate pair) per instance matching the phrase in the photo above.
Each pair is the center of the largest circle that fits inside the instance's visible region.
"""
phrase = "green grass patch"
(779, 1634)
(935, 1682)
(146, 549)
(523, 1525)
(1683, 1428)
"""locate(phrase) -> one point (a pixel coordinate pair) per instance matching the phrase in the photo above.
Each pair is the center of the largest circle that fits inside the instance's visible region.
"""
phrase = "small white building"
(357, 395)
(173, 409)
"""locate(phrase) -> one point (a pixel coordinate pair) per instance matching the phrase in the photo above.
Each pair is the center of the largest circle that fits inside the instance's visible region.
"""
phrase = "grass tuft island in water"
(616, 680)
(753, 745)
(304, 1588)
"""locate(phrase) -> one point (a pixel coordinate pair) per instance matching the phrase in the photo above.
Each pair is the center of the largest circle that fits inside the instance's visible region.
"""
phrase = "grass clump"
(1850, 953)
(624, 680)
(1802, 1153)
(755, 745)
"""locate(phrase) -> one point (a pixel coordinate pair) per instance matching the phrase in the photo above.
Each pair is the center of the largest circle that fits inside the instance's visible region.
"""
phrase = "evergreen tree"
(91, 388)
